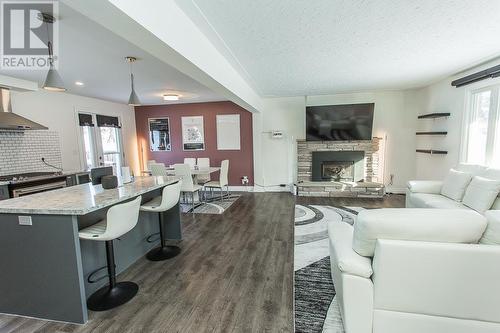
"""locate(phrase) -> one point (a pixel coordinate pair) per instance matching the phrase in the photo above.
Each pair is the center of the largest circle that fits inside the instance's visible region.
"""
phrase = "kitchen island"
(45, 266)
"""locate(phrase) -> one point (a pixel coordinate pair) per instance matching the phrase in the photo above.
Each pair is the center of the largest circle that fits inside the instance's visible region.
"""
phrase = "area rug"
(215, 206)
(316, 309)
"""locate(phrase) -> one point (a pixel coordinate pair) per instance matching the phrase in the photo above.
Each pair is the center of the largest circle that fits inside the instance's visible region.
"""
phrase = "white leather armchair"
(420, 272)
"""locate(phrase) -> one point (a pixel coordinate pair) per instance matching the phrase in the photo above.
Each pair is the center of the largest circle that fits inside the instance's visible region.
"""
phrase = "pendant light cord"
(49, 44)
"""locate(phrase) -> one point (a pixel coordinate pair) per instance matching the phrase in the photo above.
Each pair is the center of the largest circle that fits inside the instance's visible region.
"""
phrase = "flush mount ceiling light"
(53, 81)
(133, 100)
(171, 97)
(79, 83)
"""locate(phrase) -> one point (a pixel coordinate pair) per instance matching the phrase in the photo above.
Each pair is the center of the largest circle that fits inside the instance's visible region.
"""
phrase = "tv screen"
(339, 122)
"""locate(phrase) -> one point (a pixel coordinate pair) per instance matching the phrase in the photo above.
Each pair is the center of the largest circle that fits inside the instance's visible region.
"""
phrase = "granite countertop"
(81, 199)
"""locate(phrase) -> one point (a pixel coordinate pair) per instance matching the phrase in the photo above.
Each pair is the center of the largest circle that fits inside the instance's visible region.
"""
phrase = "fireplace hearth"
(337, 170)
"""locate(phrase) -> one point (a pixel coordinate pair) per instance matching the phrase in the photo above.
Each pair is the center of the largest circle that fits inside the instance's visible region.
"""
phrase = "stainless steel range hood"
(12, 121)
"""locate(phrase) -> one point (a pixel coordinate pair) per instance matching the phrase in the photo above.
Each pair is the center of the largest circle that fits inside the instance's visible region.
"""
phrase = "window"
(111, 148)
(101, 144)
(481, 143)
(87, 134)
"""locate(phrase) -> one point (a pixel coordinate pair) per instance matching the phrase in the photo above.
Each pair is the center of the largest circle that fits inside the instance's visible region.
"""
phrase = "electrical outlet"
(25, 220)
(244, 180)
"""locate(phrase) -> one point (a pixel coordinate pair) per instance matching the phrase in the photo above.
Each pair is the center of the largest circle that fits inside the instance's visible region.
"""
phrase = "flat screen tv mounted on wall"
(339, 122)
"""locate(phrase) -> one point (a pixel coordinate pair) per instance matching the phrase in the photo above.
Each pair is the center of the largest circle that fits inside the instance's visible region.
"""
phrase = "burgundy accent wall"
(240, 161)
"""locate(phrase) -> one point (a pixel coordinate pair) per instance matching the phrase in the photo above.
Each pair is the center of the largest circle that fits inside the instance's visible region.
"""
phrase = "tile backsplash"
(22, 152)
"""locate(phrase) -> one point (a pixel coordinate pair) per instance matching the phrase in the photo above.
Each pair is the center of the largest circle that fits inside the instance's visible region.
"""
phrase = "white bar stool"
(169, 198)
(120, 219)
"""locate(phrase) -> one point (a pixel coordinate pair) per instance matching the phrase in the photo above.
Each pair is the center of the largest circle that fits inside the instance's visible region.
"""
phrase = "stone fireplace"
(339, 168)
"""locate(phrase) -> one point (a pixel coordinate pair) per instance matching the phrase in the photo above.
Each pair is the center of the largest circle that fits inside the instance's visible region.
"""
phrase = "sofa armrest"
(417, 224)
(440, 279)
(342, 254)
(425, 186)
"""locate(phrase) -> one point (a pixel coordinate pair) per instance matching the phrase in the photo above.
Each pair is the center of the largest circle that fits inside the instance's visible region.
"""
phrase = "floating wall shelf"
(432, 133)
(434, 115)
(432, 151)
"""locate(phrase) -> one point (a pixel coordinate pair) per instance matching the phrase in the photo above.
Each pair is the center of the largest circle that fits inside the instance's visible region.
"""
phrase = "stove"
(29, 177)
(33, 182)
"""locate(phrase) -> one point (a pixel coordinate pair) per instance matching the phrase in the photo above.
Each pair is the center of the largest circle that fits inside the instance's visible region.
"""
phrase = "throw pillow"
(481, 193)
(455, 183)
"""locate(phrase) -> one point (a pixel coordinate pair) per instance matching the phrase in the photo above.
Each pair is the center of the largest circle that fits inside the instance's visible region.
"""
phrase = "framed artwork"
(159, 134)
(228, 132)
(193, 135)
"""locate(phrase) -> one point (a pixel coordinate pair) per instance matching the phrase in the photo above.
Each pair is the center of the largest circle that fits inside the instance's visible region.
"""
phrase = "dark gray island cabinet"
(45, 266)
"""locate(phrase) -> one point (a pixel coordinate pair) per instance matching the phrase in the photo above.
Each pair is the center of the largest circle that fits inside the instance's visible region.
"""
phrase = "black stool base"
(163, 253)
(106, 298)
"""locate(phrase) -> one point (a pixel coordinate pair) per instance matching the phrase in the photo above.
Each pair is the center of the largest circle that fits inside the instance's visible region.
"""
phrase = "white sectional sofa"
(416, 270)
(427, 193)
(433, 267)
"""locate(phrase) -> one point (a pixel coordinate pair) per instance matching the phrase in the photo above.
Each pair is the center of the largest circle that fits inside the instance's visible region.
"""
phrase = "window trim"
(493, 120)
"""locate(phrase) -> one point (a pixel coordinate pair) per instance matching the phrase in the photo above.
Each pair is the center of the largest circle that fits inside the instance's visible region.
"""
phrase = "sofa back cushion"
(481, 193)
(416, 224)
(455, 183)
(491, 173)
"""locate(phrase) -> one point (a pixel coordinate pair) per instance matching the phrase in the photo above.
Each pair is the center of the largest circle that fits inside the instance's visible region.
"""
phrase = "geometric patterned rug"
(316, 309)
(215, 206)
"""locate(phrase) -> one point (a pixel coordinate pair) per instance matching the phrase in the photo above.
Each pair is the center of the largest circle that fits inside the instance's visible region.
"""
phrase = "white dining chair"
(158, 169)
(191, 161)
(188, 186)
(203, 164)
(120, 219)
(223, 180)
(168, 199)
(149, 162)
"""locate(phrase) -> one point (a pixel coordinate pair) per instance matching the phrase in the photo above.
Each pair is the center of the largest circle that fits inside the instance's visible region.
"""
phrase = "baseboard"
(241, 188)
(260, 188)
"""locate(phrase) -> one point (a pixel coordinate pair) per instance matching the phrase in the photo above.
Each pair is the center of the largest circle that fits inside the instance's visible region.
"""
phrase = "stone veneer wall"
(370, 147)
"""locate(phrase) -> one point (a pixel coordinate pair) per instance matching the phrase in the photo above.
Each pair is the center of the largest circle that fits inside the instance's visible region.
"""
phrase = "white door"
(101, 143)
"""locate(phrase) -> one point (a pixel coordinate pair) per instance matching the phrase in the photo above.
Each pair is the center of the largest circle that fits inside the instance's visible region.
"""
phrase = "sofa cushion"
(455, 183)
(492, 234)
(427, 200)
(492, 173)
(481, 193)
(343, 256)
(417, 224)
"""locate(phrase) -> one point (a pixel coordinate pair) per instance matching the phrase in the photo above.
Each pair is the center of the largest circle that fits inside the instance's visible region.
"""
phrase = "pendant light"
(53, 81)
(133, 100)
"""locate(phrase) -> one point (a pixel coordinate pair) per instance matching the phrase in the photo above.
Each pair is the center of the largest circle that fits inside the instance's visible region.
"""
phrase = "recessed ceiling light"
(170, 97)
(79, 83)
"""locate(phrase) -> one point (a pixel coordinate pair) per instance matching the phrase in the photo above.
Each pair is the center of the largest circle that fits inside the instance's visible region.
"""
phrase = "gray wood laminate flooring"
(235, 274)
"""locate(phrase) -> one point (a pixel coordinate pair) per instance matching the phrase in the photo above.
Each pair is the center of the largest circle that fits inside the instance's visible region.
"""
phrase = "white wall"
(395, 118)
(278, 159)
(442, 97)
(58, 111)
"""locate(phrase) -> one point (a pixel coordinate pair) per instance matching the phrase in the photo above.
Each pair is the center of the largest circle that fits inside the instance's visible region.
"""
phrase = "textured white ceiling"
(96, 56)
(306, 47)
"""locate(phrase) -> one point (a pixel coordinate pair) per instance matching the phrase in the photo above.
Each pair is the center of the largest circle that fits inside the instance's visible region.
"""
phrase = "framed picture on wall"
(159, 134)
(193, 135)
(228, 132)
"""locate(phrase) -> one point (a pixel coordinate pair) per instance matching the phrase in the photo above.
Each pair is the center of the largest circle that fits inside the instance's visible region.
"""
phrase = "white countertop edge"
(78, 212)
